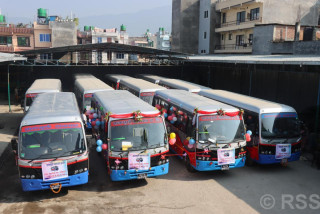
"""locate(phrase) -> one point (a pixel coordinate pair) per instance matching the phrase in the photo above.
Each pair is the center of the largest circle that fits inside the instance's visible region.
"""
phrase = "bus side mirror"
(14, 145)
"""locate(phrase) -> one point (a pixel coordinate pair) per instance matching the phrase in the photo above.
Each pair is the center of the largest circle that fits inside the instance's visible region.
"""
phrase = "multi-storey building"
(163, 40)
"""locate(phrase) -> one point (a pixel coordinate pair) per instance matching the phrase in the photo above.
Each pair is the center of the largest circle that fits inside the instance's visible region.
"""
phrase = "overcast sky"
(85, 10)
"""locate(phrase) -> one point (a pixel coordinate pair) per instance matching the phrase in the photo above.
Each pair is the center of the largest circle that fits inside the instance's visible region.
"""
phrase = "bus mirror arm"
(14, 145)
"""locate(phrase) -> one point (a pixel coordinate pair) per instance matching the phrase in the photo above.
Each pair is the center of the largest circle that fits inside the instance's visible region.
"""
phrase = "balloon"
(99, 149)
(172, 135)
(171, 109)
(188, 138)
(99, 142)
(165, 115)
(172, 141)
(164, 110)
(96, 127)
(104, 146)
(190, 146)
(92, 110)
(186, 142)
(185, 116)
(158, 106)
(173, 115)
(192, 141)
(248, 138)
(172, 122)
(90, 116)
(174, 108)
(102, 123)
(249, 132)
(93, 123)
(174, 119)
(95, 115)
(98, 123)
(180, 112)
(88, 112)
(170, 117)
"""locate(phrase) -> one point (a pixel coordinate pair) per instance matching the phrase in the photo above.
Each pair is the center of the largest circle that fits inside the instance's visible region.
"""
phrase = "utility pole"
(9, 87)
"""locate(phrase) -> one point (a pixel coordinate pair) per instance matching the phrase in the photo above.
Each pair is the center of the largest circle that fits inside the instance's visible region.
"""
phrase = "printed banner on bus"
(44, 127)
(87, 95)
(283, 151)
(139, 161)
(32, 95)
(133, 122)
(218, 117)
(226, 156)
(146, 94)
(54, 170)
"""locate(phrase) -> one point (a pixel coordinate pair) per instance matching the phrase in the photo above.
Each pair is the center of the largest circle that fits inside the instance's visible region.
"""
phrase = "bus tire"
(249, 161)
(189, 166)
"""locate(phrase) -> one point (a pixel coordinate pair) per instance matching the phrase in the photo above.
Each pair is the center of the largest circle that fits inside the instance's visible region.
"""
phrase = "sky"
(137, 15)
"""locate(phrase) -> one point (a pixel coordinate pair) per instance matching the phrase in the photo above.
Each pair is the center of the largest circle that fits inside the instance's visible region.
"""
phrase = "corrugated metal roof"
(180, 84)
(45, 85)
(91, 84)
(7, 57)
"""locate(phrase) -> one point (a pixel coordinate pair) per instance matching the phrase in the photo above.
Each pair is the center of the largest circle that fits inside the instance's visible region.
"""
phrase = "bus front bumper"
(271, 159)
(39, 184)
(122, 175)
(213, 165)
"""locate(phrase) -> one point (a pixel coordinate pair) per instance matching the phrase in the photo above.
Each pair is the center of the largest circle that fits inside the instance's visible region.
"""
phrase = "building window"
(241, 17)
(224, 18)
(204, 35)
(120, 56)
(222, 36)
(5, 40)
(206, 14)
(250, 39)
(45, 37)
(45, 56)
(23, 41)
(99, 40)
(230, 36)
(239, 40)
(254, 14)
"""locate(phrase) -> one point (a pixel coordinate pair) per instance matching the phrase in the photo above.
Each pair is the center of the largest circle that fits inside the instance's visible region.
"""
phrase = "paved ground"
(234, 191)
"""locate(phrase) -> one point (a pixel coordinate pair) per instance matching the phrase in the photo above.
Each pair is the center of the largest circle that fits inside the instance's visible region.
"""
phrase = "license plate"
(284, 161)
(142, 176)
(225, 167)
(55, 186)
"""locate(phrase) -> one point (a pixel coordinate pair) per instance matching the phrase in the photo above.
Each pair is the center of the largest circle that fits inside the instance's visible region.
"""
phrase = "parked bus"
(40, 86)
(141, 88)
(84, 88)
(209, 135)
(51, 149)
(114, 80)
(133, 134)
(82, 75)
(151, 78)
(275, 127)
(180, 84)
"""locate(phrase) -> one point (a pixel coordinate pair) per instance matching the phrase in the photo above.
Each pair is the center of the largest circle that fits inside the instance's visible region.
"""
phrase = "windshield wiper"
(38, 158)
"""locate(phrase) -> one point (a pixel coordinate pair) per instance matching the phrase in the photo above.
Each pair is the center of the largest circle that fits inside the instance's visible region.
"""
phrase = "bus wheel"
(189, 166)
(249, 161)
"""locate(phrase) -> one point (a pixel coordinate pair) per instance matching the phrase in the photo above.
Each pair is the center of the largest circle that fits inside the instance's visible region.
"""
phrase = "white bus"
(114, 80)
(133, 133)
(141, 88)
(52, 151)
(84, 87)
(275, 127)
(210, 134)
(151, 78)
(40, 86)
(180, 84)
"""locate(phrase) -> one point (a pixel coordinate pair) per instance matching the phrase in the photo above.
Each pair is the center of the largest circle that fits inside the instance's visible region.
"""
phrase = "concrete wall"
(306, 47)
(262, 39)
(291, 11)
(204, 26)
(63, 33)
(185, 25)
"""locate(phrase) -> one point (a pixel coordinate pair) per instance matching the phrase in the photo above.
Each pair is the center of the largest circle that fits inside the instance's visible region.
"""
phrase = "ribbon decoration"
(120, 116)
(220, 112)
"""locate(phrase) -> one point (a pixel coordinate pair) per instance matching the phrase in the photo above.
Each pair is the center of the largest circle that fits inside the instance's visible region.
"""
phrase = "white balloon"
(95, 115)
(174, 119)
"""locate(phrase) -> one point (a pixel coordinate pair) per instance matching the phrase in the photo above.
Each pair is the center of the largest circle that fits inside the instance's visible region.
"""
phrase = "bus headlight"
(167, 160)
(85, 169)
(113, 167)
(208, 158)
(159, 162)
(122, 167)
(33, 176)
(269, 152)
(199, 158)
(22, 176)
(76, 171)
(28, 176)
(80, 170)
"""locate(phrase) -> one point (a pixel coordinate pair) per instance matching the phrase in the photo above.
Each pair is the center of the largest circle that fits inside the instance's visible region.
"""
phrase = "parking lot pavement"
(242, 190)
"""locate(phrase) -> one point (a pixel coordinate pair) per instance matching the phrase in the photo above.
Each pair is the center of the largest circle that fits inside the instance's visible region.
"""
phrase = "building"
(15, 37)
(163, 40)
(185, 26)
(93, 35)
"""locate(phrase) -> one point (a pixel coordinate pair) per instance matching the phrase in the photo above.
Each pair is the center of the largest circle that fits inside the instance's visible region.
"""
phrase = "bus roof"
(151, 78)
(197, 85)
(246, 102)
(180, 84)
(190, 101)
(82, 75)
(122, 102)
(53, 108)
(45, 85)
(141, 85)
(116, 77)
(90, 85)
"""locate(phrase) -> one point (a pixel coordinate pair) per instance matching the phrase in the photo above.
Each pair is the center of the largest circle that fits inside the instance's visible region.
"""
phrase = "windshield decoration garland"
(220, 112)
(137, 115)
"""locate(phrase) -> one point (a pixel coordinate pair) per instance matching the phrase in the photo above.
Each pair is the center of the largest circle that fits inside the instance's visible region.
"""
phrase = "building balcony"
(222, 4)
(234, 48)
(16, 30)
(237, 25)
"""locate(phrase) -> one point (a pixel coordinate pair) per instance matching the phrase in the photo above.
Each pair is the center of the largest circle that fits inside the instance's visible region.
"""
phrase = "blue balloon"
(249, 132)
(172, 121)
(99, 149)
(165, 115)
(171, 109)
(99, 142)
(102, 123)
(192, 141)
(98, 123)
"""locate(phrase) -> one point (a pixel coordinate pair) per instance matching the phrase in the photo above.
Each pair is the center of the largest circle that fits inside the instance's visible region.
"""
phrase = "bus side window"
(189, 128)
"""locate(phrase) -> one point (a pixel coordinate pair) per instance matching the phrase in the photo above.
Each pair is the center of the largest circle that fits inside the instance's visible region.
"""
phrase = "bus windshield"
(131, 135)
(280, 125)
(87, 101)
(220, 129)
(147, 97)
(51, 141)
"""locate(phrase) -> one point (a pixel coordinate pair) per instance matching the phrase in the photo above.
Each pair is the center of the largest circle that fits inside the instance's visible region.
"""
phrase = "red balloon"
(104, 146)
(248, 138)
(164, 110)
(93, 123)
(174, 108)
(158, 106)
(170, 117)
(173, 115)
(185, 142)
(97, 120)
(90, 116)
(172, 141)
